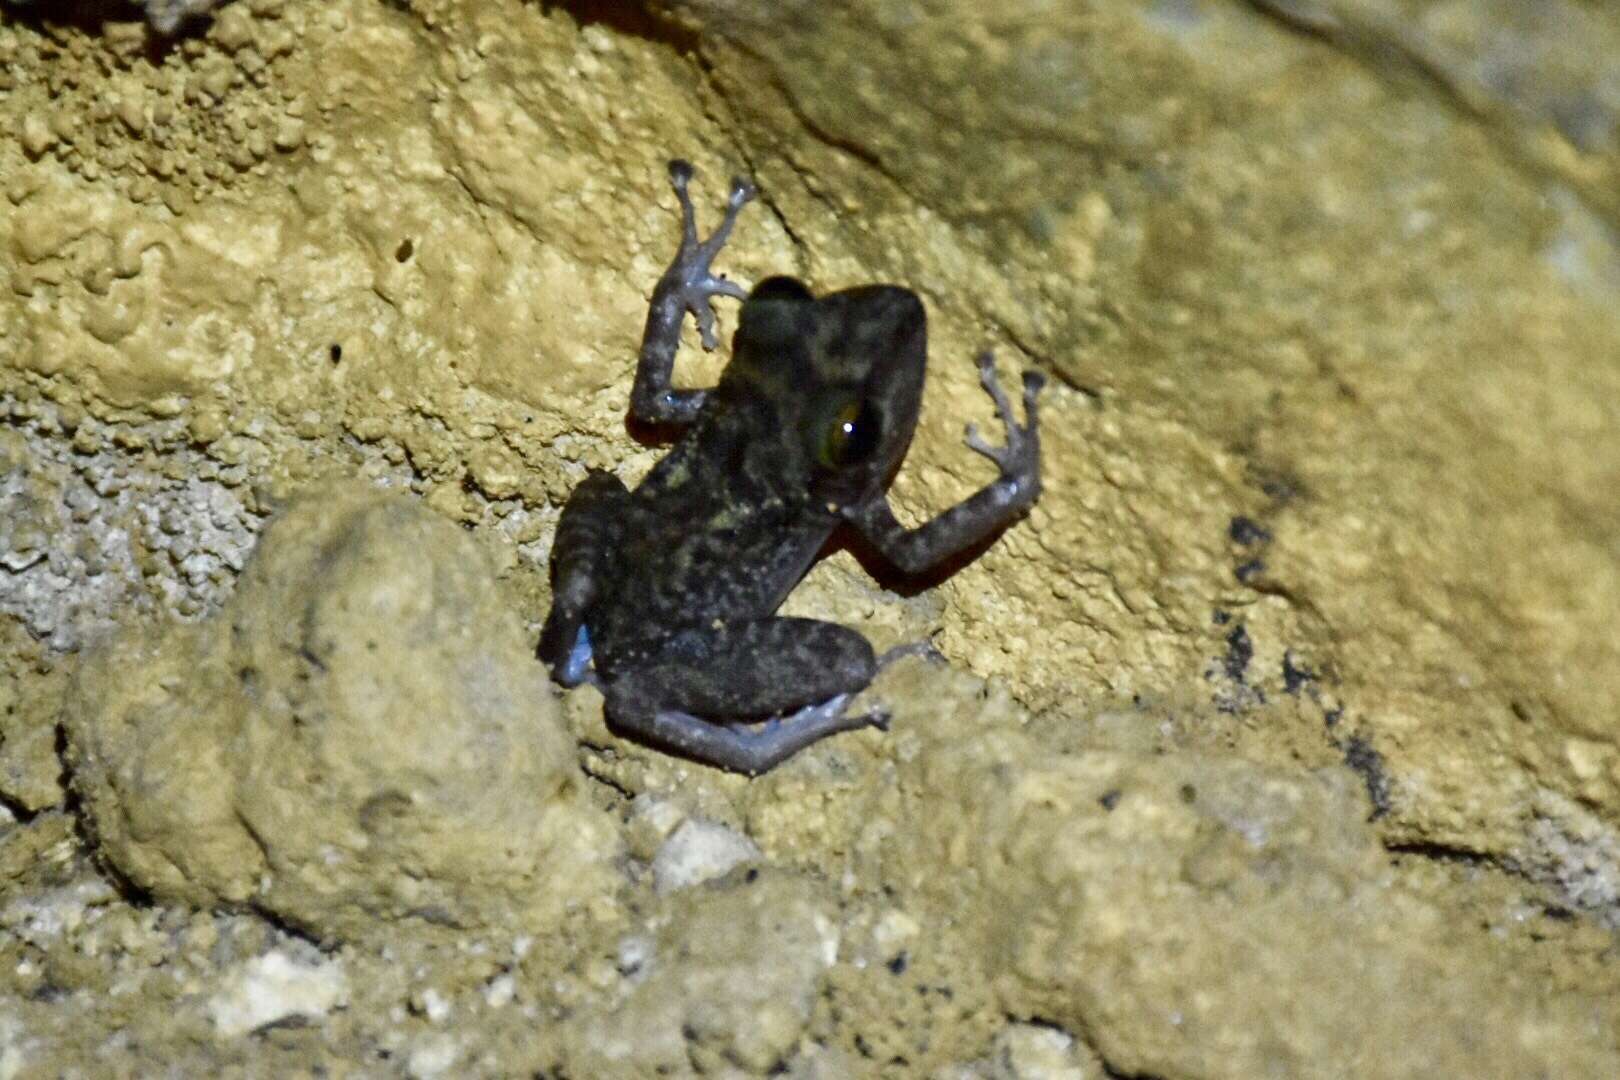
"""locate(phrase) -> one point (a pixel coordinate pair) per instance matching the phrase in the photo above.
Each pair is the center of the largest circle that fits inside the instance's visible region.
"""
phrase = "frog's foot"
(689, 275)
(879, 716)
(1020, 459)
(577, 668)
(924, 649)
(816, 722)
(753, 749)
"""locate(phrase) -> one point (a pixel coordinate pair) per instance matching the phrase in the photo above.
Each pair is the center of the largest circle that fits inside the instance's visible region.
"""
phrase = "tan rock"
(1200, 915)
(730, 982)
(359, 737)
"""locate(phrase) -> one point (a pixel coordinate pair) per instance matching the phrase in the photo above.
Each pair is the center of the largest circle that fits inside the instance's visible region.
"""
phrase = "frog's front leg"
(688, 285)
(586, 533)
(919, 550)
(690, 693)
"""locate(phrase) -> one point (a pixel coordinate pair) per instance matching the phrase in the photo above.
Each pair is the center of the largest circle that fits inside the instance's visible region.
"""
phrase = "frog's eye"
(851, 436)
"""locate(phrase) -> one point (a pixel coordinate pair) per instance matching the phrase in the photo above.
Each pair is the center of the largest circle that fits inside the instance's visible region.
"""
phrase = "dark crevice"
(1247, 531)
(1239, 652)
(275, 918)
(290, 929)
(1438, 852)
(16, 809)
(631, 20)
(88, 16)
(135, 895)
(589, 751)
(92, 17)
(1365, 760)
(1452, 855)
(1059, 372)
(1295, 675)
(828, 138)
(1388, 56)
(84, 833)
(768, 201)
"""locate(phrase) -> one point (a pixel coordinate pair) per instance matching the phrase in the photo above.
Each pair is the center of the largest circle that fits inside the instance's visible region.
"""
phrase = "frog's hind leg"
(800, 673)
(587, 530)
(750, 750)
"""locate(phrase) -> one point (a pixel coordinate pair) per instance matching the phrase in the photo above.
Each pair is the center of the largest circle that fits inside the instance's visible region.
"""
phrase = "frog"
(665, 596)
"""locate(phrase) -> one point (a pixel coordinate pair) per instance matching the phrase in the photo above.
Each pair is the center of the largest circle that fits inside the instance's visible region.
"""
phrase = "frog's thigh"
(752, 669)
(586, 534)
(747, 670)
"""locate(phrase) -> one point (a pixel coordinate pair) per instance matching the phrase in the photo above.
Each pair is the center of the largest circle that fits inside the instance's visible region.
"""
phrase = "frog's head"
(844, 373)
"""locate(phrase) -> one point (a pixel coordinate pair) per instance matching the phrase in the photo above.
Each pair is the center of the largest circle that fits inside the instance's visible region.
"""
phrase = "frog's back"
(722, 528)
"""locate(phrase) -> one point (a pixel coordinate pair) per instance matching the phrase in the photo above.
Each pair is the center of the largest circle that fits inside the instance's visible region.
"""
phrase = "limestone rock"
(1202, 915)
(359, 736)
(731, 981)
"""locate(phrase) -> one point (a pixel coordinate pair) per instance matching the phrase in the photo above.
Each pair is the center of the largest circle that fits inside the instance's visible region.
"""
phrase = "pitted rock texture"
(89, 535)
(1299, 724)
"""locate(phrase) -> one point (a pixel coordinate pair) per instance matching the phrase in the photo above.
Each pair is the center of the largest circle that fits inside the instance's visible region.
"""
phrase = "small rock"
(432, 1057)
(431, 1004)
(1035, 1052)
(361, 735)
(37, 136)
(274, 987)
(700, 851)
(652, 819)
(737, 977)
(500, 991)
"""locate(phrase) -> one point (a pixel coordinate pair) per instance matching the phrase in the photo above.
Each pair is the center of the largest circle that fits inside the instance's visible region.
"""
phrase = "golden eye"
(851, 435)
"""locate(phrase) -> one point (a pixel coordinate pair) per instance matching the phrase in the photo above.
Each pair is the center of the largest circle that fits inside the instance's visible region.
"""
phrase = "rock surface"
(731, 982)
(1298, 747)
(360, 736)
(1115, 873)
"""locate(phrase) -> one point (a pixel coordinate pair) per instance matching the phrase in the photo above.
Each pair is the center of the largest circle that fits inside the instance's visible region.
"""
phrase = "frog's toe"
(577, 667)
(1006, 457)
(923, 649)
(680, 173)
(976, 443)
(694, 253)
(1034, 383)
(690, 273)
(992, 385)
(741, 194)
